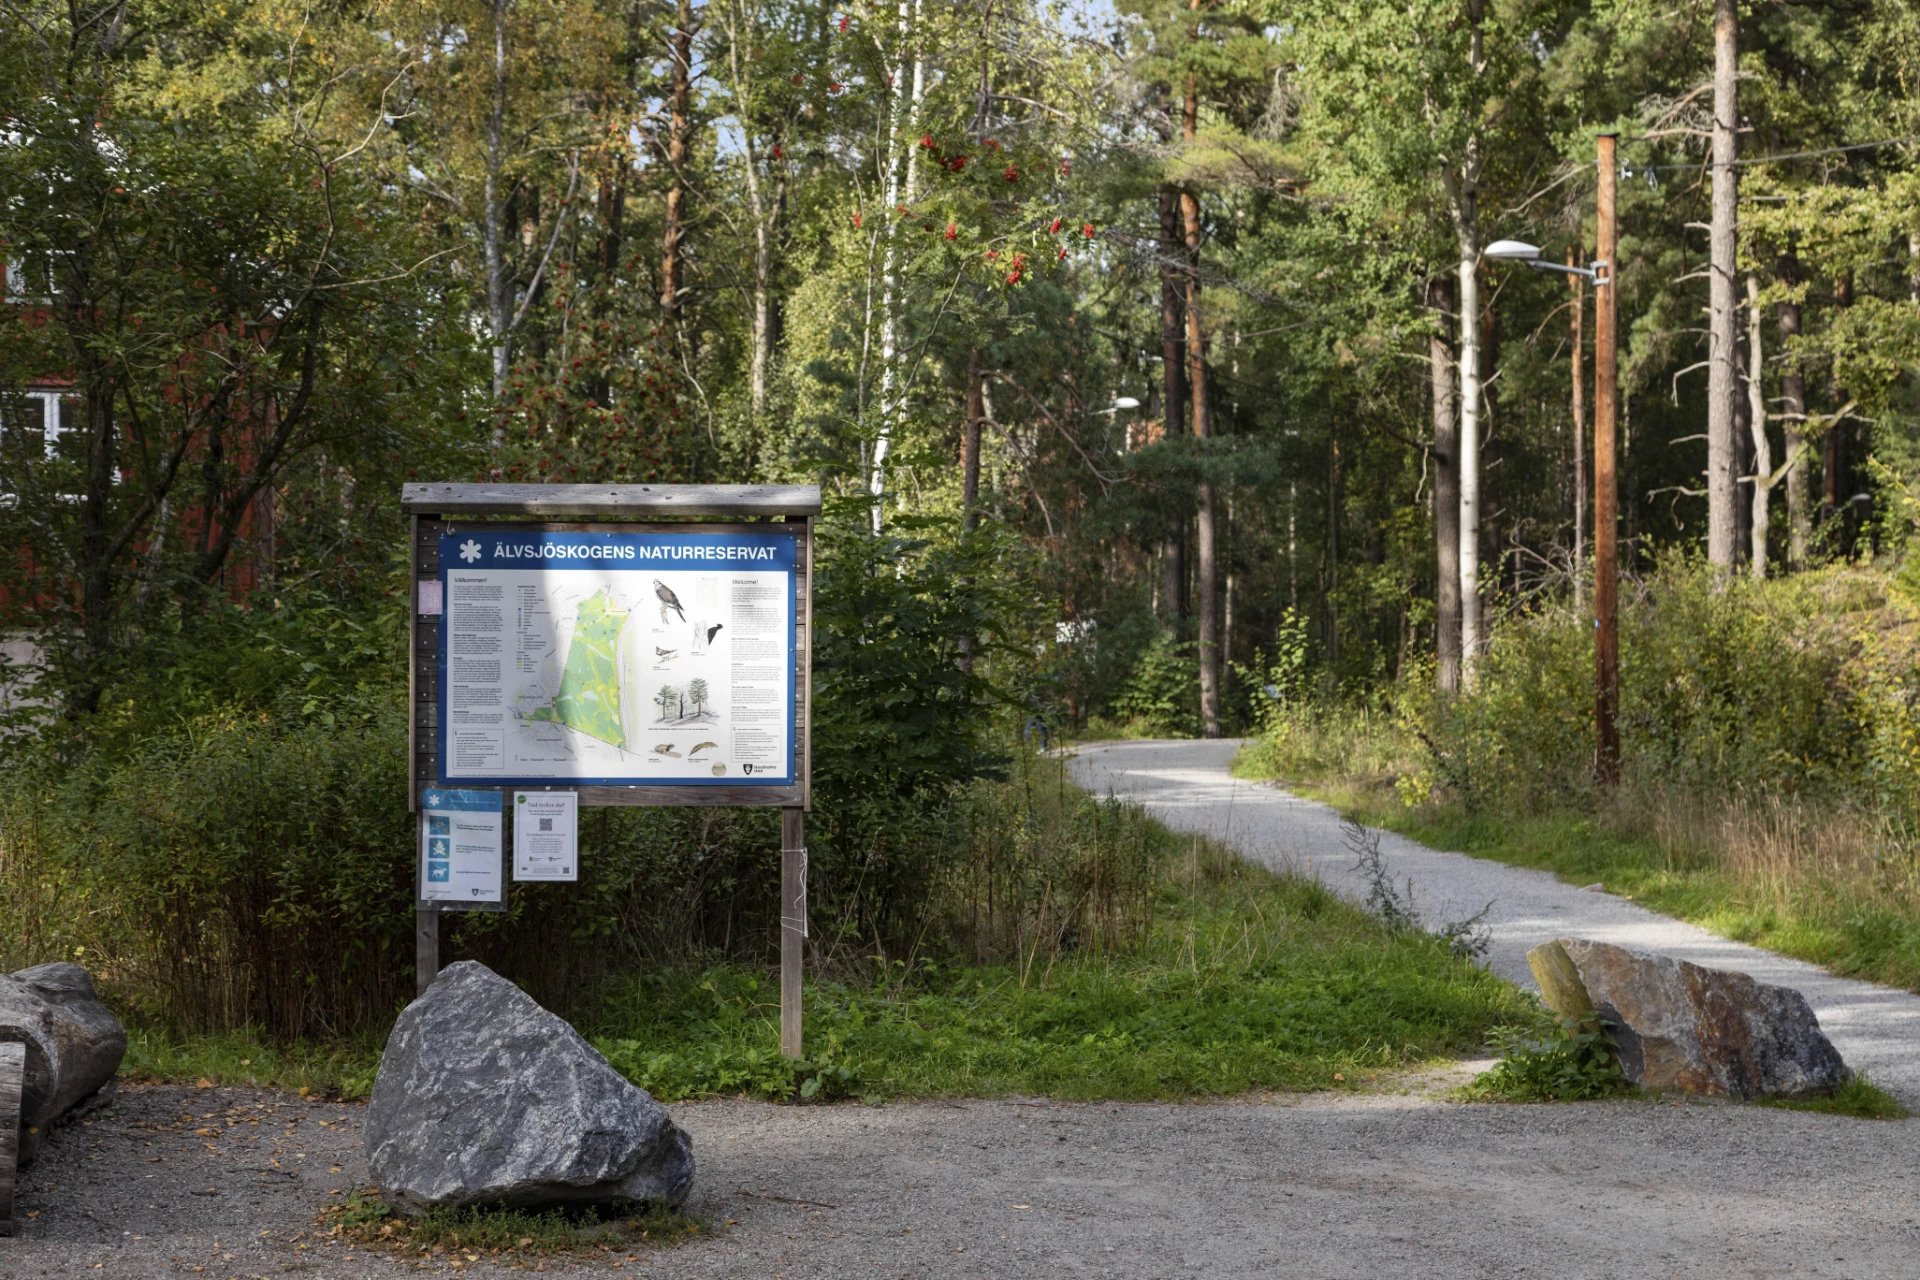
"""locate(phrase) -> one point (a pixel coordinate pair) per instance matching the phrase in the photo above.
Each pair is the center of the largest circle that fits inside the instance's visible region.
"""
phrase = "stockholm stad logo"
(469, 551)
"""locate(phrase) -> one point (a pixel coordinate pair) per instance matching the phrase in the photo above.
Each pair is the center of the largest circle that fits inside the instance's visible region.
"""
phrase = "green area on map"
(590, 687)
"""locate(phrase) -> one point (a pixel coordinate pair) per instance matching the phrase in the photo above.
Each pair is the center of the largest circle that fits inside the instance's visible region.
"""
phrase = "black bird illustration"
(714, 630)
(668, 600)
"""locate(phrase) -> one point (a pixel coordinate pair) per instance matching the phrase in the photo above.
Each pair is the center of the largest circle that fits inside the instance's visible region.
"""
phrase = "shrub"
(1162, 692)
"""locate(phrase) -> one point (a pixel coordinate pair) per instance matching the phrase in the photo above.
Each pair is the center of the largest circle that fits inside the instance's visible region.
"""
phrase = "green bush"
(1778, 686)
(1162, 694)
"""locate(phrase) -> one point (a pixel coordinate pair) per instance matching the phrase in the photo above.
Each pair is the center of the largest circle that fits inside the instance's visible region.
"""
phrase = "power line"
(1631, 169)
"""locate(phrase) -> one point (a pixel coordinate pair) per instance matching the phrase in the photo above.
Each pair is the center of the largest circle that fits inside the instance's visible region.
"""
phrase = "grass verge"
(1247, 980)
(1850, 923)
(1233, 978)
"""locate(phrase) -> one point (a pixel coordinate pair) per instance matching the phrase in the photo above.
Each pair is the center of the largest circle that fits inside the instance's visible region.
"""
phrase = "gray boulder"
(485, 1098)
(1681, 1027)
(73, 1046)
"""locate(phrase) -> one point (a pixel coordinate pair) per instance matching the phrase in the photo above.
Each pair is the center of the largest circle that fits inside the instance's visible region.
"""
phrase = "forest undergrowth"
(1768, 791)
(1066, 946)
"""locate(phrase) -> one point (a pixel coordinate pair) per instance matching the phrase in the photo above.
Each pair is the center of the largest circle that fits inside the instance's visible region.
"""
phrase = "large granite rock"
(1684, 1028)
(485, 1098)
(73, 1046)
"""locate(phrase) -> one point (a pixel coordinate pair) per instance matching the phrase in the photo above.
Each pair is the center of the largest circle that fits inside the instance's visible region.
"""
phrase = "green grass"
(1249, 981)
(1246, 980)
(1859, 1098)
(243, 1058)
(475, 1232)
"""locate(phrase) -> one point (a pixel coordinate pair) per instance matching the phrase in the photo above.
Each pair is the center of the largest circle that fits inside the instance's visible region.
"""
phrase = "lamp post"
(1606, 573)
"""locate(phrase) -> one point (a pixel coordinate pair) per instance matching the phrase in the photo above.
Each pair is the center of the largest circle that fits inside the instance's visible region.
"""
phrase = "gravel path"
(1325, 1185)
(1187, 786)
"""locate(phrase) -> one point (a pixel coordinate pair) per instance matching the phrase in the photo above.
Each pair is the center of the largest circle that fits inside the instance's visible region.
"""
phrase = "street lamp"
(1606, 572)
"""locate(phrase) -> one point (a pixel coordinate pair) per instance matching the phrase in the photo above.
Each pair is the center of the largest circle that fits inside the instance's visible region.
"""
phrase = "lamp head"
(1125, 402)
(1512, 251)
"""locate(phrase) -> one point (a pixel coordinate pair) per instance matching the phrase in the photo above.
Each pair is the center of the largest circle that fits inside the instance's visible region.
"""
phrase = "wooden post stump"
(13, 1074)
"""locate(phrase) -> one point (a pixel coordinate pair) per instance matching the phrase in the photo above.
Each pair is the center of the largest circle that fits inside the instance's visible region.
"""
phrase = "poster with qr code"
(546, 835)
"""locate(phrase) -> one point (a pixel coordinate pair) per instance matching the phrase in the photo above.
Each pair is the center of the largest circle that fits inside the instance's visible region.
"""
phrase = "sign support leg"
(426, 950)
(793, 925)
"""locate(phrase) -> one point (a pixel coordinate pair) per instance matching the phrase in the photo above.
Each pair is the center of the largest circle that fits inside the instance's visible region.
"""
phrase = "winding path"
(1188, 786)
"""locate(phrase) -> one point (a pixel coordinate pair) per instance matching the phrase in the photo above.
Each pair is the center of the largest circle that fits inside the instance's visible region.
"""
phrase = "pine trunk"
(1173, 354)
(1723, 342)
(679, 130)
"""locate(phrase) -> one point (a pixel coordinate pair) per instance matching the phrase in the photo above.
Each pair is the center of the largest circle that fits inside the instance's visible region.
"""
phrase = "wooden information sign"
(630, 644)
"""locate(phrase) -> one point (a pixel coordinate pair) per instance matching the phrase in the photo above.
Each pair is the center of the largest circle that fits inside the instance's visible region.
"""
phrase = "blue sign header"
(504, 549)
(444, 798)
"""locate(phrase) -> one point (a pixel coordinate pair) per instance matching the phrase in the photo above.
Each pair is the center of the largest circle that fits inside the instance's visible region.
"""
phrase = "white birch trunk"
(906, 109)
(1472, 637)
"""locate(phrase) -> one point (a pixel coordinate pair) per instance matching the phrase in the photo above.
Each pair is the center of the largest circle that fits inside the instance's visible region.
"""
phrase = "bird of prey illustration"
(714, 630)
(668, 600)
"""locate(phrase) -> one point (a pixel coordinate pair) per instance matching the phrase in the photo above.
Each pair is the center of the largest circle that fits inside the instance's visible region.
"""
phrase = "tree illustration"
(666, 699)
(697, 690)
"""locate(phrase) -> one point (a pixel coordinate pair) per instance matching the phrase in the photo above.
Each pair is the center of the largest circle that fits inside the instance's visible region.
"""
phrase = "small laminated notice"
(546, 835)
(460, 853)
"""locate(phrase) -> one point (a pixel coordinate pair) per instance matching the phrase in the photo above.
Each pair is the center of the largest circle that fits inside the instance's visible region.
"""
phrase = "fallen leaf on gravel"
(203, 1083)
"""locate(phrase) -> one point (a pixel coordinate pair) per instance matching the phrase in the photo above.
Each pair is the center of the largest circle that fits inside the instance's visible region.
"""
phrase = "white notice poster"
(546, 835)
(460, 847)
(617, 658)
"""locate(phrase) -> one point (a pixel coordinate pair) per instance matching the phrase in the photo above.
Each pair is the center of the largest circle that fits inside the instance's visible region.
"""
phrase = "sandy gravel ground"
(1354, 1185)
(1186, 785)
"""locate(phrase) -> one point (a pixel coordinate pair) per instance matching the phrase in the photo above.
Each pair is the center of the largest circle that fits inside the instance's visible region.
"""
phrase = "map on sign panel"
(617, 658)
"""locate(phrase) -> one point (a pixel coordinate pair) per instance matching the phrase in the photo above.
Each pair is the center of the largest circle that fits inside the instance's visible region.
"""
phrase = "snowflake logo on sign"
(469, 551)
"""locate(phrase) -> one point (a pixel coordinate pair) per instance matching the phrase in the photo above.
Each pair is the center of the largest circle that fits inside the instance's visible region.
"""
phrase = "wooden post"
(1606, 495)
(793, 926)
(426, 949)
(13, 1071)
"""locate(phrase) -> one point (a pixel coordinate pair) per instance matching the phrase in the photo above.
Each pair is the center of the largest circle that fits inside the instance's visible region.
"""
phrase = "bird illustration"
(664, 654)
(665, 749)
(702, 747)
(714, 630)
(668, 600)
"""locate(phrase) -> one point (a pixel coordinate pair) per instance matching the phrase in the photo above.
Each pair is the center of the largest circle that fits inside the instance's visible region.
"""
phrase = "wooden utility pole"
(1579, 284)
(1606, 583)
